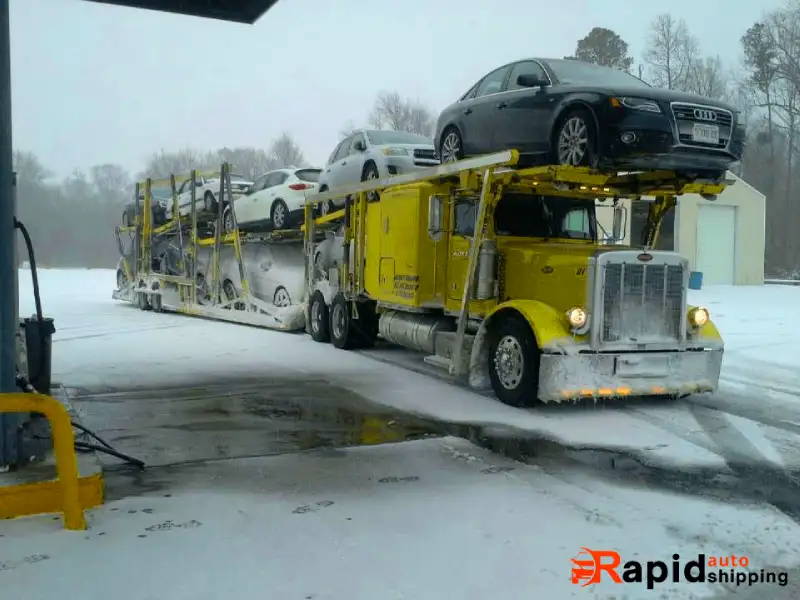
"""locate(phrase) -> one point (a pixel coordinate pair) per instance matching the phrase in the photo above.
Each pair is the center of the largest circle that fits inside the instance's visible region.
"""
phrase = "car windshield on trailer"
(309, 175)
(575, 72)
(381, 138)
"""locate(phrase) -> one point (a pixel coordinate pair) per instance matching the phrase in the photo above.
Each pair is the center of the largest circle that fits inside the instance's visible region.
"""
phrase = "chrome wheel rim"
(324, 207)
(228, 221)
(573, 142)
(278, 215)
(451, 147)
(281, 299)
(509, 362)
(338, 321)
(230, 291)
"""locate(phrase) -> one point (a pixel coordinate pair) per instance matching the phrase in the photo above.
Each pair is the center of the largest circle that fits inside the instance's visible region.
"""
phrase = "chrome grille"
(689, 115)
(425, 158)
(642, 303)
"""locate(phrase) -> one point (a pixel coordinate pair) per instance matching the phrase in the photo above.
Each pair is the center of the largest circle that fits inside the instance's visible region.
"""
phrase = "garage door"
(716, 244)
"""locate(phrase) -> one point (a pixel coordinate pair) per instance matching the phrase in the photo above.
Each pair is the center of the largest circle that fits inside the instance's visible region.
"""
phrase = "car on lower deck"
(276, 199)
(275, 273)
(569, 112)
(374, 154)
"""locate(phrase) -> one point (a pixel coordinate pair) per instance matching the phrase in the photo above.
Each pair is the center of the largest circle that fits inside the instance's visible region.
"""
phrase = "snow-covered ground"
(424, 519)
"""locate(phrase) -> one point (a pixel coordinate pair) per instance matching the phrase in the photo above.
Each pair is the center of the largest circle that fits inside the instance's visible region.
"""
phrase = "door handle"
(501, 106)
(467, 111)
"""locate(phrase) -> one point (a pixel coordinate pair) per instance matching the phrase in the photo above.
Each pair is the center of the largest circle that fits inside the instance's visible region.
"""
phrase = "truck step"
(437, 361)
(445, 344)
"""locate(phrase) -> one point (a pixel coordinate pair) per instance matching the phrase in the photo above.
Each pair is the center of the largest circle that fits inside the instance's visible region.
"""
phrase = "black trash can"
(39, 346)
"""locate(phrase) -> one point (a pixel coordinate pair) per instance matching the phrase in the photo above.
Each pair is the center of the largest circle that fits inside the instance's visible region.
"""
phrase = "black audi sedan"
(569, 112)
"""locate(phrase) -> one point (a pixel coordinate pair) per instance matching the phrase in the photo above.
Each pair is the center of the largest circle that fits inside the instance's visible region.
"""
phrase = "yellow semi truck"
(500, 274)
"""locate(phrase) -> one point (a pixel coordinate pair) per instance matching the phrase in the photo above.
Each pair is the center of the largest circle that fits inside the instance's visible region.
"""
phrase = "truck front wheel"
(513, 361)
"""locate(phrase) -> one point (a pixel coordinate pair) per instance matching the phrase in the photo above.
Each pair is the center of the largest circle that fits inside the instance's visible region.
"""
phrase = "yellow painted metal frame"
(70, 494)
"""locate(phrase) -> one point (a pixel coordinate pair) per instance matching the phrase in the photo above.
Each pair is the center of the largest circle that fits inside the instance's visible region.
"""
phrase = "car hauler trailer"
(497, 275)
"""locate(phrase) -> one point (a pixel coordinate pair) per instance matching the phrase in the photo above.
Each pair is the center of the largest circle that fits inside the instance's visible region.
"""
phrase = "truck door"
(464, 216)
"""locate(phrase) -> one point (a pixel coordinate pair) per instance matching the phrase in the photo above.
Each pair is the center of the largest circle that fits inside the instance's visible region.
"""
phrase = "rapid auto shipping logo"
(593, 566)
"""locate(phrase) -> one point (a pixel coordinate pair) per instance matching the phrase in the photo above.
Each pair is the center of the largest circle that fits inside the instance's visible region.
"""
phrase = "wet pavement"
(221, 420)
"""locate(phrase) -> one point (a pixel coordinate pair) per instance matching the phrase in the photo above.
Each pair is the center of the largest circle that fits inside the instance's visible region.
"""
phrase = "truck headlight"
(577, 317)
(698, 317)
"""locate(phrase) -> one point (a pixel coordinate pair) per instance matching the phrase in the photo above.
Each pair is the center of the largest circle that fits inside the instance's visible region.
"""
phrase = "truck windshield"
(528, 215)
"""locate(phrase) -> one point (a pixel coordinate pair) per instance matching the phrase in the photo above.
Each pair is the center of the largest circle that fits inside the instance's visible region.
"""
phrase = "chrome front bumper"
(573, 376)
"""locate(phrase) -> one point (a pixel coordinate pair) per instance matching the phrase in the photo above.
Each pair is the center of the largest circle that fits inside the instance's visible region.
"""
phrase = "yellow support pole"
(63, 446)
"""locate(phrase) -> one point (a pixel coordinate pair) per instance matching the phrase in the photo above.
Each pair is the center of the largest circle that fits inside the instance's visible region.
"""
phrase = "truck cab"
(553, 311)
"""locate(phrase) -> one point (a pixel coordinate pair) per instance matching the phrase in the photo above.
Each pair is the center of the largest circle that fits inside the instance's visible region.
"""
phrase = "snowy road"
(713, 473)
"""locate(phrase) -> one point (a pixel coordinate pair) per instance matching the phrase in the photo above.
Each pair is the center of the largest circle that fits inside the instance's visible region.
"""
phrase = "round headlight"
(698, 317)
(576, 317)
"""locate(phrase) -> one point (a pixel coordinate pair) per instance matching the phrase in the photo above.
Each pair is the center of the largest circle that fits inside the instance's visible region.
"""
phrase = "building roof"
(238, 11)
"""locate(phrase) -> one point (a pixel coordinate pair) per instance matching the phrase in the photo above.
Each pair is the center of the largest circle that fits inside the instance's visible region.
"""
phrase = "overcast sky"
(97, 84)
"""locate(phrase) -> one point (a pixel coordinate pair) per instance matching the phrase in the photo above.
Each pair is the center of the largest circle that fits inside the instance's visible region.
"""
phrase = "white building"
(724, 239)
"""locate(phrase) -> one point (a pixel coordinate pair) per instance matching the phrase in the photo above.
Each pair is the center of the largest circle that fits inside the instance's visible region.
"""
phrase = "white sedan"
(205, 193)
(276, 198)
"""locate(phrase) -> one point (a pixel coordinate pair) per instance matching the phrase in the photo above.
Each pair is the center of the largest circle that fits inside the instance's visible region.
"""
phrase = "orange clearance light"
(623, 391)
(658, 390)
(605, 392)
(587, 392)
(615, 103)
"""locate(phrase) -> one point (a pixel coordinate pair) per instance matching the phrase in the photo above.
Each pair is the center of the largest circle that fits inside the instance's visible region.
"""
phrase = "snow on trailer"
(496, 274)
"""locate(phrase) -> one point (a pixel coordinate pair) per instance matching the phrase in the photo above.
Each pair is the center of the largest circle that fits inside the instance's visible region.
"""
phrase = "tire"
(371, 172)
(452, 147)
(574, 141)
(229, 293)
(326, 207)
(156, 300)
(512, 336)
(227, 220)
(343, 334)
(319, 318)
(281, 297)
(142, 301)
(209, 203)
(279, 215)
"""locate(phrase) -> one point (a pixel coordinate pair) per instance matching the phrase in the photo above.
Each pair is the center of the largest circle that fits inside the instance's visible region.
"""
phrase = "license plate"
(642, 366)
(705, 134)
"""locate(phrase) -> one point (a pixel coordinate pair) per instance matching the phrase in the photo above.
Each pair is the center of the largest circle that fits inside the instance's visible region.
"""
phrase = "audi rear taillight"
(300, 186)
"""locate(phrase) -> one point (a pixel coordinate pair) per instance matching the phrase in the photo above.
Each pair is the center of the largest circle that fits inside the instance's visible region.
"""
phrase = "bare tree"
(348, 129)
(247, 162)
(671, 53)
(285, 152)
(708, 77)
(111, 182)
(392, 111)
(163, 163)
(29, 168)
(604, 47)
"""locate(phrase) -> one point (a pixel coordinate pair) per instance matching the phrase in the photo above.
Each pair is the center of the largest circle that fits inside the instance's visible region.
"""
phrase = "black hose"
(97, 448)
(92, 434)
(36, 297)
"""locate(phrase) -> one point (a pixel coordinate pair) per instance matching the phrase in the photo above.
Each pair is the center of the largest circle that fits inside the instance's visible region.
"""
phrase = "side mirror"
(359, 146)
(531, 81)
(435, 217)
(619, 225)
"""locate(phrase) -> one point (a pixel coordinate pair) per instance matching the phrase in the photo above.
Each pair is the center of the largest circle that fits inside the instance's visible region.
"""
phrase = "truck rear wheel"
(513, 361)
(319, 318)
(343, 334)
